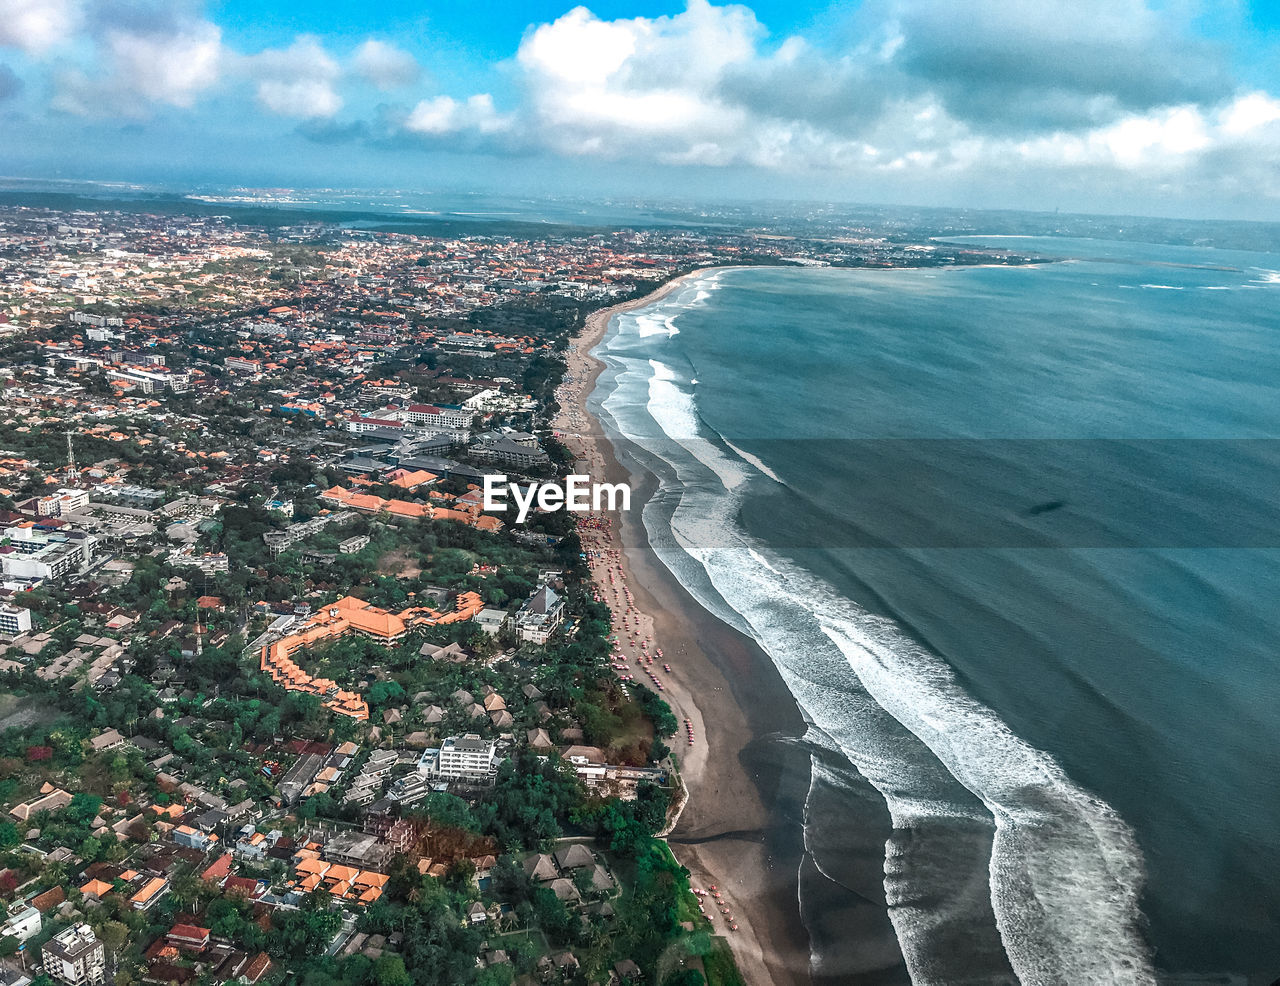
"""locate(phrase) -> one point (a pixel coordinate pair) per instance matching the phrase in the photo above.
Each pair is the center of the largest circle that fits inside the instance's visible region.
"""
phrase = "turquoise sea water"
(1010, 536)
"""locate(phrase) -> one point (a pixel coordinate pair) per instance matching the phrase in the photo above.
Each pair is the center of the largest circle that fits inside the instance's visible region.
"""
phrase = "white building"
(241, 364)
(22, 922)
(491, 620)
(469, 759)
(149, 381)
(42, 555)
(65, 501)
(540, 616)
(14, 620)
(76, 957)
(443, 417)
(211, 562)
(359, 424)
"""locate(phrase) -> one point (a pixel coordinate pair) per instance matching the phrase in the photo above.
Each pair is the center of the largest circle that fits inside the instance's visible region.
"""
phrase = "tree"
(552, 915)
(113, 935)
(389, 970)
(186, 885)
(384, 693)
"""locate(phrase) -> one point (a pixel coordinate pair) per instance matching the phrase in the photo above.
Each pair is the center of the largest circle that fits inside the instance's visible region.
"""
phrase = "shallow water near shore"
(1005, 534)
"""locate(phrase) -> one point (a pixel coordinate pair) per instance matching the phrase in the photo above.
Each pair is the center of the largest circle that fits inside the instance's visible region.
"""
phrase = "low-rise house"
(565, 891)
(188, 937)
(574, 857)
(149, 893)
(541, 868)
(21, 922)
(106, 740)
(185, 835)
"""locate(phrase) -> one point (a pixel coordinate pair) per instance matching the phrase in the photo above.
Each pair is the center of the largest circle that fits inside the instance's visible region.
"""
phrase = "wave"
(651, 325)
(755, 461)
(1057, 872)
(659, 319)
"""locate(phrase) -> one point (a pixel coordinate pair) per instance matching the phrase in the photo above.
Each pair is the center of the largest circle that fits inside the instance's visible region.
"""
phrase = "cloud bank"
(1112, 92)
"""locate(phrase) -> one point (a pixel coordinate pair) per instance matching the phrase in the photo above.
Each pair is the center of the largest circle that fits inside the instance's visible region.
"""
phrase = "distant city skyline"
(1115, 107)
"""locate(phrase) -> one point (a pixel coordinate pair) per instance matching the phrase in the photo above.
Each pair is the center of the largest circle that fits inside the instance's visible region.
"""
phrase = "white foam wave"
(1065, 873)
(1065, 870)
(760, 559)
(656, 324)
(747, 456)
(676, 414)
(1162, 287)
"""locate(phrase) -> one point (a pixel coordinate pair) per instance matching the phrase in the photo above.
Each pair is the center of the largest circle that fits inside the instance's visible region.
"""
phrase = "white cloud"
(144, 65)
(639, 84)
(1176, 139)
(171, 69)
(36, 26)
(445, 115)
(1248, 113)
(580, 49)
(384, 65)
(921, 90)
(297, 81)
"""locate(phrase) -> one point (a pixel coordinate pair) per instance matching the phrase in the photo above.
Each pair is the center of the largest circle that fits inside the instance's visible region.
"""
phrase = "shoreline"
(740, 826)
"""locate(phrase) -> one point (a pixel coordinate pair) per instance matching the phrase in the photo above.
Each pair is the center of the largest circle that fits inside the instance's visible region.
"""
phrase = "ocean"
(1009, 535)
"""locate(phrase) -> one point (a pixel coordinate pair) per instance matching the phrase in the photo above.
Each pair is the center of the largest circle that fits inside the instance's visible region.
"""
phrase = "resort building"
(367, 503)
(350, 883)
(445, 417)
(32, 553)
(352, 615)
(495, 446)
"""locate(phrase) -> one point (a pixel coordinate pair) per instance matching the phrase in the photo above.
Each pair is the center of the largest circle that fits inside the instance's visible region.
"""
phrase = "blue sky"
(1093, 105)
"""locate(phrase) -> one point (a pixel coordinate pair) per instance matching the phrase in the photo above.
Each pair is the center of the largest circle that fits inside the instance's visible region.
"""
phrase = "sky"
(1113, 106)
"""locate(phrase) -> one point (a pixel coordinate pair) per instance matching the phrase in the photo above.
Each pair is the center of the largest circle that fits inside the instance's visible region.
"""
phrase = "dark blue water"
(1010, 536)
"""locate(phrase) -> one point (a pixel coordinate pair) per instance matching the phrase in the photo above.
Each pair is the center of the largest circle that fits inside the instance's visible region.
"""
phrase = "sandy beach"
(740, 772)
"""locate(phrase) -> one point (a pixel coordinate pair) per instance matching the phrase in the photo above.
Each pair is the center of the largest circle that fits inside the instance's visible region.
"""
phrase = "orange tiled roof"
(96, 888)
(150, 890)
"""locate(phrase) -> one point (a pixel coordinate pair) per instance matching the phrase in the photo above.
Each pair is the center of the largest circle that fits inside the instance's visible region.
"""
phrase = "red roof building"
(188, 936)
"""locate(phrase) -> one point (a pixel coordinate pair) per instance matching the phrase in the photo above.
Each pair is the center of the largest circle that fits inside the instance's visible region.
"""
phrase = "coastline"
(740, 827)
